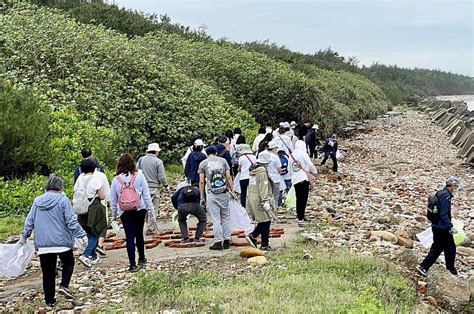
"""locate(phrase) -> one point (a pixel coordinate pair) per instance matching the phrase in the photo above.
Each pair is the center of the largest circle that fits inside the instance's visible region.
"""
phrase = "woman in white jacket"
(302, 172)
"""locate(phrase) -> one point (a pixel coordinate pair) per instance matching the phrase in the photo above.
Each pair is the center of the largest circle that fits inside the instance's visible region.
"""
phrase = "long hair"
(126, 164)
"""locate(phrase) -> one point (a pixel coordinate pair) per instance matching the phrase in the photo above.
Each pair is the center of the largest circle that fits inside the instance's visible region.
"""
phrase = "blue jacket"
(192, 165)
(444, 205)
(54, 222)
(178, 198)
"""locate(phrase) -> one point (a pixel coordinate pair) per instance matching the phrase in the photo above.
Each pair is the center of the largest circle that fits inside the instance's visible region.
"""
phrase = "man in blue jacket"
(443, 231)
(193, 161)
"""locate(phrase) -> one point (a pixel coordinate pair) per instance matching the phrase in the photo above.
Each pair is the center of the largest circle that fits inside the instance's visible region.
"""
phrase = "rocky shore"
(375, 206)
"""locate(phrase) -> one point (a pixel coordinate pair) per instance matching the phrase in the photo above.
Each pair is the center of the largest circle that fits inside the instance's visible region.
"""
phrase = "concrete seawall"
(456, 120)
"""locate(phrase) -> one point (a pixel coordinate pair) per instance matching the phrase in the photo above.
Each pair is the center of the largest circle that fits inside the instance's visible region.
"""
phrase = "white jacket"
(300, 159)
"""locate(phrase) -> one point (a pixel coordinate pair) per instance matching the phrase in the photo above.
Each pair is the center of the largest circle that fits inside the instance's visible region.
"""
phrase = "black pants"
(133, 222)
(334, 161)
(313, 153)
(235, 170)
(197, 211)
(48, 268)
(301, 191)
(244, 184)
(263, 229)
(443, 241)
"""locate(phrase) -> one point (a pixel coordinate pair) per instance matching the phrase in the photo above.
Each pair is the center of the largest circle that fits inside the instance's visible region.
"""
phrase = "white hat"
(153, 147)
(245, 149)
(199, 142)
(315, 127)
(293, 123)
(264, 158)
(285, 125)
(272, 145)
(281, 124)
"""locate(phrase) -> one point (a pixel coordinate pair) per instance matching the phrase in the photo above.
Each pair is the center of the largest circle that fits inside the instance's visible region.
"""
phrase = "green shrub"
(112, 81)
(23, 131)
(17, 195)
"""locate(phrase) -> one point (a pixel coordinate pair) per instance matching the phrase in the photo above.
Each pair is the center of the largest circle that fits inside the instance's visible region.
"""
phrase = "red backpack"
(129, 199)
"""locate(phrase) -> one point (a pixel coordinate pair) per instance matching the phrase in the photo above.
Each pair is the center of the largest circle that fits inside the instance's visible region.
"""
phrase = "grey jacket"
(54, 221)
(153, 169)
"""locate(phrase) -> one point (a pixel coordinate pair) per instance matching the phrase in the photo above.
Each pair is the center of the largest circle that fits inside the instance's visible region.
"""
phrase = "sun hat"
(334, 137)
(453, 181)
(245, 149)
(286, 125)
(264, 158)
(272, 145)
(316, 127)
(199, 142)
(153, 147)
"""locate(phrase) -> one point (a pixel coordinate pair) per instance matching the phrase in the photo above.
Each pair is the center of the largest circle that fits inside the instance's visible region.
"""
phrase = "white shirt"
(297, 174)
(245, 162)
(105, 183)
(256, 142)
(273, 168)
(93, 184)
(284, 143)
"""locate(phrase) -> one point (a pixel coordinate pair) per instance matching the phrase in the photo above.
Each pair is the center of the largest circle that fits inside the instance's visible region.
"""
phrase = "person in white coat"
(302, 169)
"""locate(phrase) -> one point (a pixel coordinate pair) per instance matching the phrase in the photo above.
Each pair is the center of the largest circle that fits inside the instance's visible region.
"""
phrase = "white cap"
(281, 124)
(199, 142)
(264, 158)
(153, 147)
(272, 145)
(315, 127)
(293, 123)
(285, 125)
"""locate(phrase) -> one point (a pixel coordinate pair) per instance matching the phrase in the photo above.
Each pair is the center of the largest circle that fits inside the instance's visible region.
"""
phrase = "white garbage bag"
(339, 154)
(426, 237)
(15, 258)
(237, 184)
(239, 219)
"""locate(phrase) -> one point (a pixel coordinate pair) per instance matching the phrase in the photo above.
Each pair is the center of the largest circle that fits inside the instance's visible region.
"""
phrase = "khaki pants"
(155, 198)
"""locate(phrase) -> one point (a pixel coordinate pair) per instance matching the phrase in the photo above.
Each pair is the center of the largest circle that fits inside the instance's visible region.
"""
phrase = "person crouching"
(260, 201)
(187, 201)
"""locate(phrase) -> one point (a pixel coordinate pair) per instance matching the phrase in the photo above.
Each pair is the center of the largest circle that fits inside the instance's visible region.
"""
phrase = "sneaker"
(267, 248)
(50, 306)
(142, 262)
(226, 244)
(199, 240)
(422, 271)
(453, 272)
(85, 261)
(95, 261)
(250, 239)
(184, 241)
(65, 292)
(101, 251)
(133, 269)
(217, 246)
(302, 223)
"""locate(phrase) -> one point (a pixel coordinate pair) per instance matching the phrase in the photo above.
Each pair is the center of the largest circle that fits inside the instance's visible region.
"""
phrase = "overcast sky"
(411, 33)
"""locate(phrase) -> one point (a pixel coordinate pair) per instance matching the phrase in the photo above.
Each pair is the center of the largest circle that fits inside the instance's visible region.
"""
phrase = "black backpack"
(432, 212)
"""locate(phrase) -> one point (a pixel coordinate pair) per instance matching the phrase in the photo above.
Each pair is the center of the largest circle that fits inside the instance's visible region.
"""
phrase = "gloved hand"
(267, 206)
(453, 230)
(83, 242)
(22, 240)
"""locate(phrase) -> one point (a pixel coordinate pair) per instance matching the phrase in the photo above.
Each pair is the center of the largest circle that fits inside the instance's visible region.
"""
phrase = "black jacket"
(224, 153)
(328, 149)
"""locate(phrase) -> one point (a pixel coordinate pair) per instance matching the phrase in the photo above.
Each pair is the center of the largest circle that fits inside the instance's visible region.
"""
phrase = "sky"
(409, 33)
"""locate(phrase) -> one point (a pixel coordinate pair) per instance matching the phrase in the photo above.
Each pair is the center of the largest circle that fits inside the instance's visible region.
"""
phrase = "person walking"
(330, 150)
(186, 200)
(56, 228)
(264, 143)
(274, 169)
(302, 169)
(261, 203)
(312, 141)
(128, 178)
(94, 220)
(283, 141)
(258, 139)
(154, 171)
(235, 153)
(246, 160)
(285, 174)
(443, 230)
(86, 153)
(214, 182)
(193, 161)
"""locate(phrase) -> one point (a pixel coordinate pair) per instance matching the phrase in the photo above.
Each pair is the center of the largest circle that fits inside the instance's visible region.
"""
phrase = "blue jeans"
(91, 245)
(288, 187)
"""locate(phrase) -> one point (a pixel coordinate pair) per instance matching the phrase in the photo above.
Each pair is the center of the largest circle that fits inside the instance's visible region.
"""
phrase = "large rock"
(387, 236)
(452, 293)
(404, 238)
